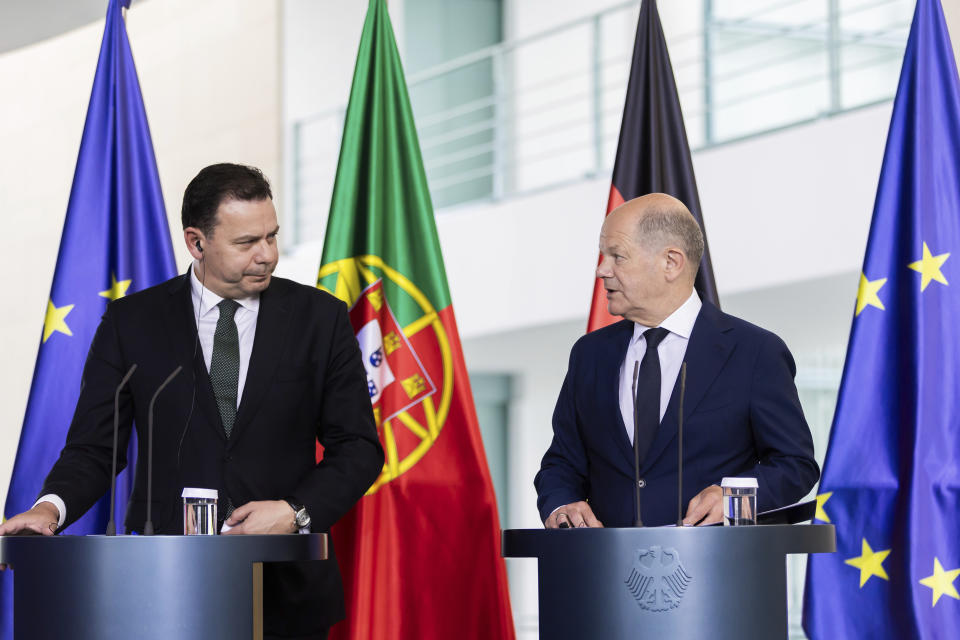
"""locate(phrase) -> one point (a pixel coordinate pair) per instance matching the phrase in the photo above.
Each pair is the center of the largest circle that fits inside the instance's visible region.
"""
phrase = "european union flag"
(115, 241)
(891, 482)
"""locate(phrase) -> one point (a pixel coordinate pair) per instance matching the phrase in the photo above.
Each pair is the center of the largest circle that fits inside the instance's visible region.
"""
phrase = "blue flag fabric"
(891, 481)
(115, 241)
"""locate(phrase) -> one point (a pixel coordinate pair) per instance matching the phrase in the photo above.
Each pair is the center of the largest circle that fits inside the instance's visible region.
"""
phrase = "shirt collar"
(208, 299)
(679, 322)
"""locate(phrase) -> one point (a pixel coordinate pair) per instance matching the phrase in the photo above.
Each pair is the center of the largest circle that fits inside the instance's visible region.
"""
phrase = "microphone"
(111, 525)
(148, 525)
(636, 441)
(683, 388)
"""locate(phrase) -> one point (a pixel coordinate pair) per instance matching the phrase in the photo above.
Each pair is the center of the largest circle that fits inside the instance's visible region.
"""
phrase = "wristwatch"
(301, 517)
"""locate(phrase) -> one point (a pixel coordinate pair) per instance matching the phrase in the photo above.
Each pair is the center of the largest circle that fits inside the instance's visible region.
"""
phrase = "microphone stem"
(636, 443)
(148, 525)
(111, 524)
(683, 388)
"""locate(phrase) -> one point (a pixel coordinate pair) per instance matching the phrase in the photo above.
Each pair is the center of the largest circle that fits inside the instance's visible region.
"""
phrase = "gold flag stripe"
(417, 325)
(390, 444)
(414, 426)
(367, 274)
(431, 417)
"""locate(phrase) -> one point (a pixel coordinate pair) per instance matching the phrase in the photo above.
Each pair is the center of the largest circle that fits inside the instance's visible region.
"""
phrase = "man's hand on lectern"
(575, 514)
(43, 519)
(263, 516)
(706, 507)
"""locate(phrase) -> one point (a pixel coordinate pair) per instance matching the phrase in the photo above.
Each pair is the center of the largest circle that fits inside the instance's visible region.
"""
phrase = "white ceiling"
(23, 22)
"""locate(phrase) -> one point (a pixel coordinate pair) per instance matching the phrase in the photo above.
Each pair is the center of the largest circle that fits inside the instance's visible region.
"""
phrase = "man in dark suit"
(742, 416)
(270, 367)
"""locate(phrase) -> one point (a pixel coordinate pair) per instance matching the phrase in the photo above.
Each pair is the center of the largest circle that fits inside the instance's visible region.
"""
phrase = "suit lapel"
(181, 326)
(708, 350)
(609, 361)
(273, 321)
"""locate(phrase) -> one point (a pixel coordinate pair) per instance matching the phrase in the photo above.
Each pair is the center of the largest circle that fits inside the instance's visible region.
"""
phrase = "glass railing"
(545, 110)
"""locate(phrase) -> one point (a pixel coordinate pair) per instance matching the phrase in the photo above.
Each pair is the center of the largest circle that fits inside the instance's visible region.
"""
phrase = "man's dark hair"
(215, 185)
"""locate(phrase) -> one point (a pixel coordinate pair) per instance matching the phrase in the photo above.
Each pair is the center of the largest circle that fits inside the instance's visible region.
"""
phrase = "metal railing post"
(708, 114)
(295, 182)
(833, 55)
(597, 102)
(500, 162)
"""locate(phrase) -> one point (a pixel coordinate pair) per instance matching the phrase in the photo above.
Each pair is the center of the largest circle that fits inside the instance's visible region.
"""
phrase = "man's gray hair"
(662, 225)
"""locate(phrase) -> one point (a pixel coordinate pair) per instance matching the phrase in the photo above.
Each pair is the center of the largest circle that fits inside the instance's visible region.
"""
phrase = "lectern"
(123, 587)
(668, 583)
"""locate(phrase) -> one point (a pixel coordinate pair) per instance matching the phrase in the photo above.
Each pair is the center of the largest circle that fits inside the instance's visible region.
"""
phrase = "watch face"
(303, 519)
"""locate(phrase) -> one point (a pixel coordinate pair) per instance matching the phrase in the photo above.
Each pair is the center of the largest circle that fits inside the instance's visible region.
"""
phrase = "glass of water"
(739, 501)
(199, 512)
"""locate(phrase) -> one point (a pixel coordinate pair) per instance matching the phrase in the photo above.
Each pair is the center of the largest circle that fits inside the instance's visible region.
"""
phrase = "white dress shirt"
(206, 312)
(672, 350)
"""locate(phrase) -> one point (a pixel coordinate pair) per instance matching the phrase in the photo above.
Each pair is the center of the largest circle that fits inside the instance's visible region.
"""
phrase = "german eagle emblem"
(657, 580)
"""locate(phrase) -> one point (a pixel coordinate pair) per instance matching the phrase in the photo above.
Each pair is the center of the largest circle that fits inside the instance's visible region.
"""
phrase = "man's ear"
(195, 242)
(675, 263)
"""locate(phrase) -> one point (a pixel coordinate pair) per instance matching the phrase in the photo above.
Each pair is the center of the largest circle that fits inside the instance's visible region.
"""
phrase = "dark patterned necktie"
(648, 391)
(225, 364)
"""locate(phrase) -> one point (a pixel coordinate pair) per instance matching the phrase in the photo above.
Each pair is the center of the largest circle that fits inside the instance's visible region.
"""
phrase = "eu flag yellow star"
(941, 582)
(867, 293)
(55, 320)
(822, 500)
(870, 563)
(929, 267)
(117, 289)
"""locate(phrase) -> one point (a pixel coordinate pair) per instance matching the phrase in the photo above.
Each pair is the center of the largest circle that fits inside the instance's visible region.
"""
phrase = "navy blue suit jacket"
(742, 417)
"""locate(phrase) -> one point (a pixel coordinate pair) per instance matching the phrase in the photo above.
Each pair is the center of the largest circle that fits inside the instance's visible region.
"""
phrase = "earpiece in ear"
(199, 248)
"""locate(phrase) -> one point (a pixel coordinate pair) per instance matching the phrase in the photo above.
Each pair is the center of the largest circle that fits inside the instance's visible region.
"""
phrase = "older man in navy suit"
(742, 416)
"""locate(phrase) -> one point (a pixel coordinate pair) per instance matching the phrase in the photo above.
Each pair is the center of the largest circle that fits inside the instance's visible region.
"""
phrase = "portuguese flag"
(653, 155)
(420, 553)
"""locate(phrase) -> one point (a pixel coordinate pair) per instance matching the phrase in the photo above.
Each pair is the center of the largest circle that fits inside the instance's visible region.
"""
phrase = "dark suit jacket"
(742, 417)
(305, 382)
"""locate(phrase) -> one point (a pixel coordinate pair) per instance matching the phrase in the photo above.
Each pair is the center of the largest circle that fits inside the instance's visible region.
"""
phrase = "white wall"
(209, 73)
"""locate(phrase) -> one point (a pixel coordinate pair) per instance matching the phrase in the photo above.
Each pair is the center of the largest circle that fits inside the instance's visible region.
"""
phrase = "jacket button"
(227, 458)
(641, 483)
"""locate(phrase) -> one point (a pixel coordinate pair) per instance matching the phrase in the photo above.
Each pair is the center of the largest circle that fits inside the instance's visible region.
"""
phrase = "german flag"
(653, 154)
